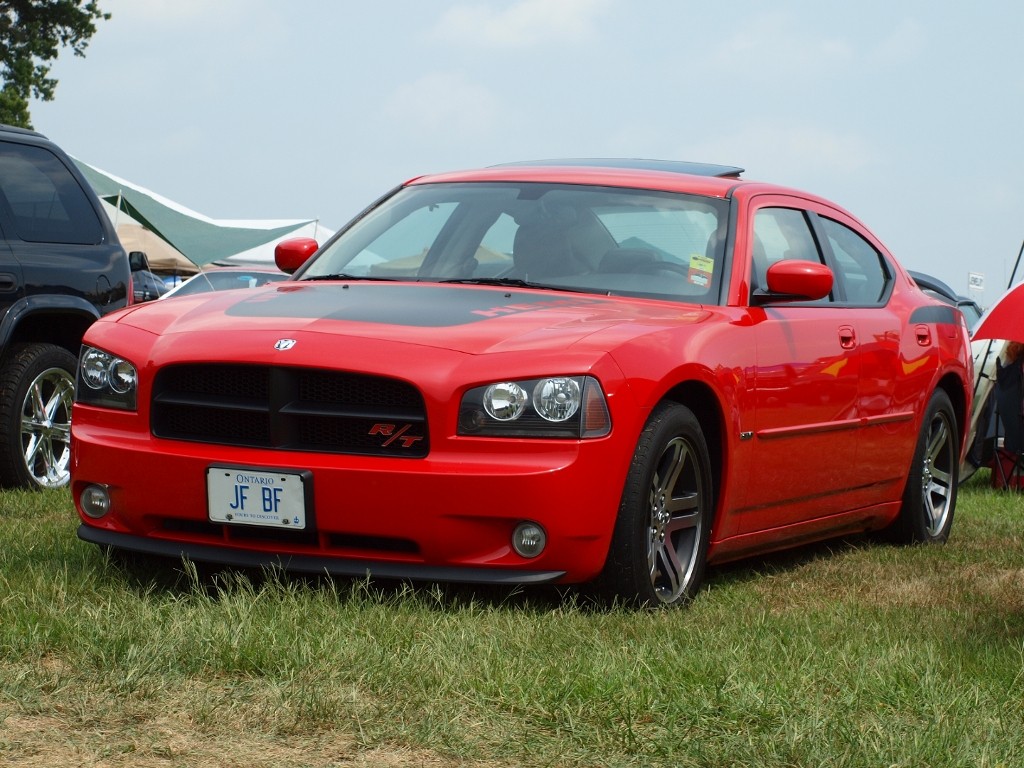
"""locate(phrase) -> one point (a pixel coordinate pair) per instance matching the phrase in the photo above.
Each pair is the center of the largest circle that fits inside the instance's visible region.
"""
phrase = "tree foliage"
(32, 32)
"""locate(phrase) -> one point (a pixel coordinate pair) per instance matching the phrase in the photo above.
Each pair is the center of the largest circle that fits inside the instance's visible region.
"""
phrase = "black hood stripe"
(423, 305)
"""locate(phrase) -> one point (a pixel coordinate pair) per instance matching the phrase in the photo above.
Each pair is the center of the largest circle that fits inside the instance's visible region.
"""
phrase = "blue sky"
(909, 114)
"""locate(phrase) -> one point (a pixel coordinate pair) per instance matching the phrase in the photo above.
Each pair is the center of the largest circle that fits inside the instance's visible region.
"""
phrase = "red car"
(613, 372)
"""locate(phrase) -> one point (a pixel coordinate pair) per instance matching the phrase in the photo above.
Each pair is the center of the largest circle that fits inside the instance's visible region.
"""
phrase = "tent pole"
(988, 347)
(1016, 264)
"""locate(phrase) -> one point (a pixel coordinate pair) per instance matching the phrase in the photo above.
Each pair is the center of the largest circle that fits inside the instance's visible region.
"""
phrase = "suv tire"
(37, 386)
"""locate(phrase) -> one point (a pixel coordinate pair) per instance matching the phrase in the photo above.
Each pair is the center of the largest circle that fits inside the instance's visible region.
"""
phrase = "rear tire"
(660, 543)
(929, 499)
(37, 387)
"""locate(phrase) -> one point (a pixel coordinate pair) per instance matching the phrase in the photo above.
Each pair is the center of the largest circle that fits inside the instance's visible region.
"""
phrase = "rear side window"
(43, 200)
(862, 269)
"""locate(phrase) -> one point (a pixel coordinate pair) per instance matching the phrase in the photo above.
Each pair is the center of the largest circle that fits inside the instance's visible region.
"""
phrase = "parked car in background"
(226, 278)
(61, 267)
(940, 290)
(146, 284)
(981, 429)
(609, 372)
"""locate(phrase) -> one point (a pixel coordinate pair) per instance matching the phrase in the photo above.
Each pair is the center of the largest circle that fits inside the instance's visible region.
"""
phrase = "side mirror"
(138, 261)
(793, 280)
(291, 254)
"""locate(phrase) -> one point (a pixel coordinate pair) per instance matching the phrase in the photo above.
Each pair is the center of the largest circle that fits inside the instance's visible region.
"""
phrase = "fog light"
(95, 501)
(529, 539)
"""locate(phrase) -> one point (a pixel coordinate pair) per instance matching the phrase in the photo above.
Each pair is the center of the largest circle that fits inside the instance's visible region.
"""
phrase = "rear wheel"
(37, 387)
(661, 536)
(929, 499)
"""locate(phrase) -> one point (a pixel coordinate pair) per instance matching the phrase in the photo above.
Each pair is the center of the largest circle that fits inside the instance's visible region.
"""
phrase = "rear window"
(43, 200)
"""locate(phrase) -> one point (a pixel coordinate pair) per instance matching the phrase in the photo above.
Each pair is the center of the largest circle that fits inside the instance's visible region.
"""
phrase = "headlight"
(505, 401)
(556, 406)
(106, 380)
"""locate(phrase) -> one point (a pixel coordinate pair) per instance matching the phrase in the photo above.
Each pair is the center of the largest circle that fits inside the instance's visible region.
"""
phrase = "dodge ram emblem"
(283, 344)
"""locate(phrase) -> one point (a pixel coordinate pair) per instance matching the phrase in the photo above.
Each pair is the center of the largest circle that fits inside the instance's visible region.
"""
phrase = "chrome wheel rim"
(46, 428)
(937, 474)
(676, 520)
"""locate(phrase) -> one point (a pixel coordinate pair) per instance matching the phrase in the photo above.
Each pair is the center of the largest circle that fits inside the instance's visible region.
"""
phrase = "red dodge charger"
(580, 371)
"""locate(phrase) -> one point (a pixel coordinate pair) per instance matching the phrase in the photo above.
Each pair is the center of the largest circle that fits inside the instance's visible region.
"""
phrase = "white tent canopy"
(200, 239)
(162, 256)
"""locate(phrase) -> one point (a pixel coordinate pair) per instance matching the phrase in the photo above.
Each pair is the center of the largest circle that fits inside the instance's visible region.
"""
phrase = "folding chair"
(1008, 466)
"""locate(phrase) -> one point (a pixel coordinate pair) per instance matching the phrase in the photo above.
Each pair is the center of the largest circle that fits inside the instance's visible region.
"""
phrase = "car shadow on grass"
(759, 567)
(149, 574)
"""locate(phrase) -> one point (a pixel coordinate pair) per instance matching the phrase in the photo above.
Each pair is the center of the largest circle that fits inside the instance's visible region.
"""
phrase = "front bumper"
(310, 564)
(448, 517)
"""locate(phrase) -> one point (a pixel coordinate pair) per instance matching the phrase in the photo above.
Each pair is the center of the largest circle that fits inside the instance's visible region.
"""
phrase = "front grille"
(292, 409)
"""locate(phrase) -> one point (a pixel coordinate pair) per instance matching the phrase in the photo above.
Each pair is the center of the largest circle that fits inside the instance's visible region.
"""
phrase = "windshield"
(572, 237)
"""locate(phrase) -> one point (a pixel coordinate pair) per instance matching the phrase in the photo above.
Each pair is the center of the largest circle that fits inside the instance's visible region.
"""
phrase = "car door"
(805, 424)
(11, 282)
(887, 395)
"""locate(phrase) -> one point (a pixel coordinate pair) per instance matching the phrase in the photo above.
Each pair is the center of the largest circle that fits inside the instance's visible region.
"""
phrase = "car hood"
(469, 319)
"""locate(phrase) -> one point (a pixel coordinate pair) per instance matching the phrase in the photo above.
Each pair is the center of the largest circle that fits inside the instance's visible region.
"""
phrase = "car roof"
(704, 179)
(638, 164)
(240, 268)
(4, 128)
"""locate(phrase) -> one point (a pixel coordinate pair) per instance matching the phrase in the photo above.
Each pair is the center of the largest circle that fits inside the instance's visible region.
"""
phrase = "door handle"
(847, 337)
(924, 335)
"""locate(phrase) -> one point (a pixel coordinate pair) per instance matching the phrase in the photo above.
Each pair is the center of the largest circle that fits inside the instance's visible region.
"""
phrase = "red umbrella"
(1004, 319)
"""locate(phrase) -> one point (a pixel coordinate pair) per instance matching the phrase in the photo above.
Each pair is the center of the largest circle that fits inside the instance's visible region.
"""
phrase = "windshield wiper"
(346, 276)
(508, 282)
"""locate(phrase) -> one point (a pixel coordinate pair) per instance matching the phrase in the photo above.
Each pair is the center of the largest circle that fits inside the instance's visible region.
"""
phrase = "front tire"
(660, 543)
(929, 499)
(37, 387)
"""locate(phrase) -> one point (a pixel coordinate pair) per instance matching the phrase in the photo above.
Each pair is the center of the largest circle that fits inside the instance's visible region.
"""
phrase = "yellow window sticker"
(701, 269)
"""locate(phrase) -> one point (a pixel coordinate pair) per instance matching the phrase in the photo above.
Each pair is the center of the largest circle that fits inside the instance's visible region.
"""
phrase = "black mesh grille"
(294, 409)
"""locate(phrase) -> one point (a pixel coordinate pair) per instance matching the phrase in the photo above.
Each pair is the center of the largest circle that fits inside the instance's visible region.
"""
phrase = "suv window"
(43, 200)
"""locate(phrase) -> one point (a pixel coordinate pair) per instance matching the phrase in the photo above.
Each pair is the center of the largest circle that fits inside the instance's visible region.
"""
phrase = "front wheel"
(929, 499)
(661, 536)
(37, 387)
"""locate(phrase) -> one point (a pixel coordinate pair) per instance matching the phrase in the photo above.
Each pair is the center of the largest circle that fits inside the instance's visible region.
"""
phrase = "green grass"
(846, 654)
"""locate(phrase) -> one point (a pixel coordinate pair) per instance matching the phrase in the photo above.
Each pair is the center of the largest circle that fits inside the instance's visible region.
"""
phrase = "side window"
(780, 233)
(43, 199)
(860, 268)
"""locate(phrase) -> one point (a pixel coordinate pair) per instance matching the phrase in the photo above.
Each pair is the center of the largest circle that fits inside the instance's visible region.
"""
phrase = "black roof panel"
(671, 166)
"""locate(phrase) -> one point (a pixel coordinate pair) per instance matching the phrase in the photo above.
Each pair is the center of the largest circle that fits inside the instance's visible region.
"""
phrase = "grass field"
(849, 654)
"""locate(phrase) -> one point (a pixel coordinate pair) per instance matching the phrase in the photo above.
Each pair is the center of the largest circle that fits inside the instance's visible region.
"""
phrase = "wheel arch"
(706, 407)
(953, 386)
(55, 320)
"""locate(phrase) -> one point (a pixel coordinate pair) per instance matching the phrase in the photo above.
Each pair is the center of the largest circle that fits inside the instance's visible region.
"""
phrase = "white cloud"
(780, 153)
(153, 14)
(900, 44)
(522, 24)
(772, 45)
(445, 101)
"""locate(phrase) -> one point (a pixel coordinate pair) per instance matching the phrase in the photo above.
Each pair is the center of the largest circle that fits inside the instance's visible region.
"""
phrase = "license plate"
(256, 497)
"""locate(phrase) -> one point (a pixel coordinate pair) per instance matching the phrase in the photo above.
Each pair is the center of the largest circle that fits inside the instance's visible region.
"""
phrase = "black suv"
(61, 267)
